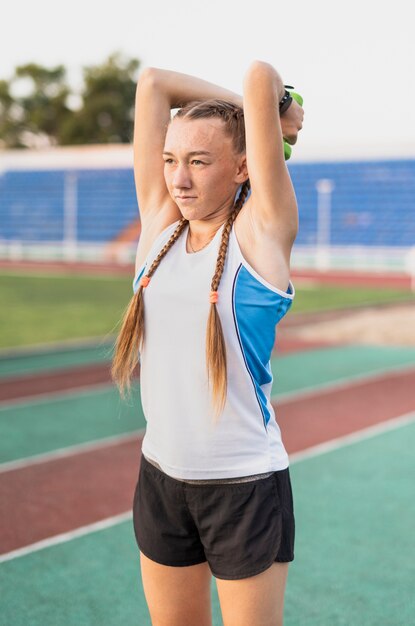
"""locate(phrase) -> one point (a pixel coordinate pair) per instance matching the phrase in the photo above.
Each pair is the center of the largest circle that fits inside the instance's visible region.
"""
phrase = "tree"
(107, 114)
(44, 109)
(43, 116)
(10, 124)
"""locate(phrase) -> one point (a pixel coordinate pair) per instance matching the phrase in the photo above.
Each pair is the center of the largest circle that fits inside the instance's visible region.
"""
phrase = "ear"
(241, 174)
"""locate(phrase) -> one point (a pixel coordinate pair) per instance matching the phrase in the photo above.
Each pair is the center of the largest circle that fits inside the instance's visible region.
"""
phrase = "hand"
(292, 122)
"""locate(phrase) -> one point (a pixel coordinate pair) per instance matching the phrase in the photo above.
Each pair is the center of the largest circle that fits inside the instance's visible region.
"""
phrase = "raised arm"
(159, 91)
(274, 205)
(152, 115)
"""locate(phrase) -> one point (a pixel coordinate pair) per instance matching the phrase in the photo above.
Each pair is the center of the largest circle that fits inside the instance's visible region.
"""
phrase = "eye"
(168, 160)
(197, 161)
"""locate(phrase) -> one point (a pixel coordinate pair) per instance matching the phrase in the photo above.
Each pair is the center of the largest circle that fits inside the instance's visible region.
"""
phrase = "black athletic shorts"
(239, 528)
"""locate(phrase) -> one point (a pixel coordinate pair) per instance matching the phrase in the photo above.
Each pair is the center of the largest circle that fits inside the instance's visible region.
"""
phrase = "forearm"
(182, 88)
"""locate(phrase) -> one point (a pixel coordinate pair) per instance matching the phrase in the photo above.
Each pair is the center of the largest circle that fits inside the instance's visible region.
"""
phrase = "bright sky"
(353, 62)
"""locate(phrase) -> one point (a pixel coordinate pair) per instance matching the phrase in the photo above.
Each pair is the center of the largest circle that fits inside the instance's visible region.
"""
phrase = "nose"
(181, 178)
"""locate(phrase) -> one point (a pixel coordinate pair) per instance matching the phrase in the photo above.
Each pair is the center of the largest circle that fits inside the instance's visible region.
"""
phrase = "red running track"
(84, 376)
(46, 499)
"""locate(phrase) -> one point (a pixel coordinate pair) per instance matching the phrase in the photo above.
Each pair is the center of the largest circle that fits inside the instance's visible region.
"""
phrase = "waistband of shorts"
(212, 481)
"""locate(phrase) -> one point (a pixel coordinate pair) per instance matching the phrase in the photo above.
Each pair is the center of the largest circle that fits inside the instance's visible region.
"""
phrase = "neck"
(196, 244)
(204, 230)
(201, 235)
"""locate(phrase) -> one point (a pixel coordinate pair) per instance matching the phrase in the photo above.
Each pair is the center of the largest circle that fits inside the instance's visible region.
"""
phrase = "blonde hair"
(131, 336)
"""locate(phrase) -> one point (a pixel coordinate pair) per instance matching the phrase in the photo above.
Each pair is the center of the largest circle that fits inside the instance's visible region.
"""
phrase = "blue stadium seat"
(372, 204)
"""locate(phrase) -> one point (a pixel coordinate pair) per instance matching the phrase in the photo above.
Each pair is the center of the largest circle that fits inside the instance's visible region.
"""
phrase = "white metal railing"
(350, 257)
(310, 257)
(67, 251)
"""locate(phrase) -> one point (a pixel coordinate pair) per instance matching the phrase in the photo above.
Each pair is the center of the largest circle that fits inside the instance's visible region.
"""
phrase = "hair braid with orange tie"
(131, 336)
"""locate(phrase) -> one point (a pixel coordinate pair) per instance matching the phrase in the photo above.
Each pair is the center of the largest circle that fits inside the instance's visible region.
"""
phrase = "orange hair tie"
(144, 281)
(214, 296)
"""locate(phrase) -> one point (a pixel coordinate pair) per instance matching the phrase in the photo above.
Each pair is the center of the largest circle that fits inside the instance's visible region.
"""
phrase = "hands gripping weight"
(287, 147)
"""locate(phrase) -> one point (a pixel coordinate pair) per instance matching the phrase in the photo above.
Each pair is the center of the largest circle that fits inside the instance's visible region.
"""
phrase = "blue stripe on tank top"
(137, 278)
(256, 311)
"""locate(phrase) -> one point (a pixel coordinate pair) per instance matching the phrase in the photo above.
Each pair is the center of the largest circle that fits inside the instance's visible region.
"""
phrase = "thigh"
(255, 600)
(177, 596)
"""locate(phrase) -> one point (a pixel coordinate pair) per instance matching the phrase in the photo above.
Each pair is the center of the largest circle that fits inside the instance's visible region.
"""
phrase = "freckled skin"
(213, 179)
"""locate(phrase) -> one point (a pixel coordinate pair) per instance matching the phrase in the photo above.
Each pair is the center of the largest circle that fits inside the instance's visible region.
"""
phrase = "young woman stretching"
(213, 495)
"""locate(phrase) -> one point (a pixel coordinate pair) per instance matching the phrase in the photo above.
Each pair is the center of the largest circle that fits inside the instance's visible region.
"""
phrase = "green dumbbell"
(287, 147)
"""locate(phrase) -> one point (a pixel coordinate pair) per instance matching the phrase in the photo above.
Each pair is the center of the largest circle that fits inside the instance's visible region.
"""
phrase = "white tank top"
(181, 436)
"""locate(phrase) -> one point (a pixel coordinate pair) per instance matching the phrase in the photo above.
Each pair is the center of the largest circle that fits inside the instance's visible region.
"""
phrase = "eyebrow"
(193, 153)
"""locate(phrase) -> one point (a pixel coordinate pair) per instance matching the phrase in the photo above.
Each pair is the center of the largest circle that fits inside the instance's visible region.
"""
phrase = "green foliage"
(107, 114)
(11, 125)
(44, 109)
(44, 117)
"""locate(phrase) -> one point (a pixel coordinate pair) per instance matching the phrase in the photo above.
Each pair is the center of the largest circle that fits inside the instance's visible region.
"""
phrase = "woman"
(213, 495)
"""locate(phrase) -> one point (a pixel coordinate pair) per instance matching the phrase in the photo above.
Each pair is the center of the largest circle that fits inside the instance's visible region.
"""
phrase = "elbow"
(261, 69)
(260, 65)
(262, 76)
(148, 76)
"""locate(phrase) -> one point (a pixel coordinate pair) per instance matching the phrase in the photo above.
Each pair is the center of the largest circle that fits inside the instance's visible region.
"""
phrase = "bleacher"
(32, 204)
(372, 204)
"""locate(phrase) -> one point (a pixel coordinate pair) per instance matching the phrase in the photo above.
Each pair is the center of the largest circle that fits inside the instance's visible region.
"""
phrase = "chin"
(189, 215)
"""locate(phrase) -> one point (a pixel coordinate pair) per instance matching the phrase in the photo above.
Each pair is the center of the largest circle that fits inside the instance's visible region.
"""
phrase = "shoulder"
(151, 241)
(153, 237)
(260, 250)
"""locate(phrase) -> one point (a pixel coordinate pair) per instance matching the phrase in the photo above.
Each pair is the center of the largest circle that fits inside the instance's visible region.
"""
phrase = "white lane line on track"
(355, 437)
(342, 383)
(80, 448)
(65, 537)
(339, 383)
(308, 453)
(55, 396)
(280, 399)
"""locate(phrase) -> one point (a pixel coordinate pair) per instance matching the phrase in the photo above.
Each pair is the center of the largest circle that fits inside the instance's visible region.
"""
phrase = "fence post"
(70, 215)
(324, 188)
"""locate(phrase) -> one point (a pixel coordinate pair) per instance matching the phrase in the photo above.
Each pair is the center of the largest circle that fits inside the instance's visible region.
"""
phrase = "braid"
(131, 336)
(220, 263)
(215, 341)
(174, 237)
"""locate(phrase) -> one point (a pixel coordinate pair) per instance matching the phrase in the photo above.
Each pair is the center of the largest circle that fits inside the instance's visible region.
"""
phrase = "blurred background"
(344, 358)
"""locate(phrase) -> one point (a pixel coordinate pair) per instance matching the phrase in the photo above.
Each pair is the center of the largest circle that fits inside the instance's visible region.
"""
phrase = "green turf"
(34, 428)
(354, 555)
(38, 309)
(26, 362)
(41, 427)
(324, 297)
(93, 580)
(322, 367)
(336, 361)
(353, 565)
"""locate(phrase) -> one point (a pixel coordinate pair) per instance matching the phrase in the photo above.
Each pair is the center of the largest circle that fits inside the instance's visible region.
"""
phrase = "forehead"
(202, 134)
